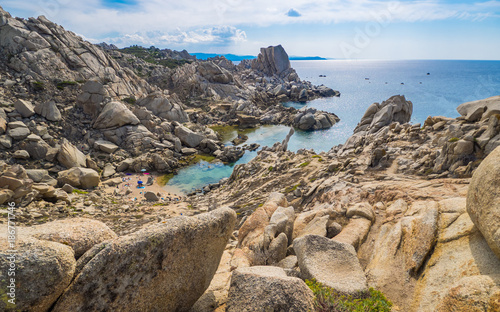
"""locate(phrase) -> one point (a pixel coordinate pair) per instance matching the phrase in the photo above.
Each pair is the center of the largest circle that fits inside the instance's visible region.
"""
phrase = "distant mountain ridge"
(235, 57)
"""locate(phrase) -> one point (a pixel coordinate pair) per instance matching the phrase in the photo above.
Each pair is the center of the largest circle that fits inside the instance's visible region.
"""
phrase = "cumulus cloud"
(221, 21)
(214, 36)
(293, 13)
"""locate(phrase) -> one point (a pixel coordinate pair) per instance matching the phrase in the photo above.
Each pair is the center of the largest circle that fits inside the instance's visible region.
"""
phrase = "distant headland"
(236, 58)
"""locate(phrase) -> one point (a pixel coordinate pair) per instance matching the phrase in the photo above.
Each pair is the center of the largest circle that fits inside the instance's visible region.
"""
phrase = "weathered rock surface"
(115, 114)
(250, 233)
(48, 110)
(483, 200)
(465, 254)
(312, 119)
(161, 270)
(163, 107)
(394, 109)
(69, 156)
(79, 177)
(44, 270)
(45, 51)
(272, 60)
(106, 146)
(262, 288)
(188, 137)
(331, 263)
(24, 108)
(17, 130)
(80, 234)
(476, 110)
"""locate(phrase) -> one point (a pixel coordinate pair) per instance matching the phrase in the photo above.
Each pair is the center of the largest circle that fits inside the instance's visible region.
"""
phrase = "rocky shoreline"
(411, 210)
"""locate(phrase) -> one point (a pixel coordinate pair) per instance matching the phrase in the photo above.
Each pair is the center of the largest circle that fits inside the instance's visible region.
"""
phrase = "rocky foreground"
(411, 210)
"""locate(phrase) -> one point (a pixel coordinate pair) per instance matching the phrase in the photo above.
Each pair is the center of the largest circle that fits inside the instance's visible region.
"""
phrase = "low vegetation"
(62, 84)
(153, 55)
(329, 300)
(77, 191)
(304, 164)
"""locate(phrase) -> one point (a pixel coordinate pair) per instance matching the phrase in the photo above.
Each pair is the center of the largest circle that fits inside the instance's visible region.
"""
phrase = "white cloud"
(220, 21)
(215, 36)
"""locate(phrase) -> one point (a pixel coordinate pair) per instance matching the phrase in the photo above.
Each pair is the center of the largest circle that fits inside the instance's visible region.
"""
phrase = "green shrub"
(129, 100)
(291, 188)
(60, 85)
(79, 191)
(329, 300)
(302, 165)
(38, 86)
(271, 168)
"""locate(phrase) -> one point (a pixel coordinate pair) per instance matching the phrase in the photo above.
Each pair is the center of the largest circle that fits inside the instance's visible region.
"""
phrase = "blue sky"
(356, 29)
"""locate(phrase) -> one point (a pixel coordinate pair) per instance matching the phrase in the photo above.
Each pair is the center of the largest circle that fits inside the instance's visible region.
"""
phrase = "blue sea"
(449, 84)
(435, 88)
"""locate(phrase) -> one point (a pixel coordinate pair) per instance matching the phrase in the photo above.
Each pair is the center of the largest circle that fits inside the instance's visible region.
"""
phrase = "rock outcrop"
(394, 109)
(188, 137)
(483, 200)
(80, 234)
(164, 107)
(44, 270)
(312, 119)
(272, 60)
(331, 263)
(482, 109)
(115, 114)
(262, 288)
(69, 156)
(161, 269)
(46, 52)
(84, 178)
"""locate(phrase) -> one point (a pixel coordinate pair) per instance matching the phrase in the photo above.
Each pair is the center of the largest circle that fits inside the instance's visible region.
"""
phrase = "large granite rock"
(115, 114)
(163, 267)
(46, 51)
(462, 271)
(331, 263)
(481, 109)
(214, 73)
(401, 247)
(161, 106)
(312, 119)
(250, 233)
(43, 270)
(105, 146)
(69, 156)
(188, 137)
(80, 234)
(48, 110)
(394, 109)
(79, 177)
(483, 199)
(272, 60)
(91, 100)
(267, 288)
